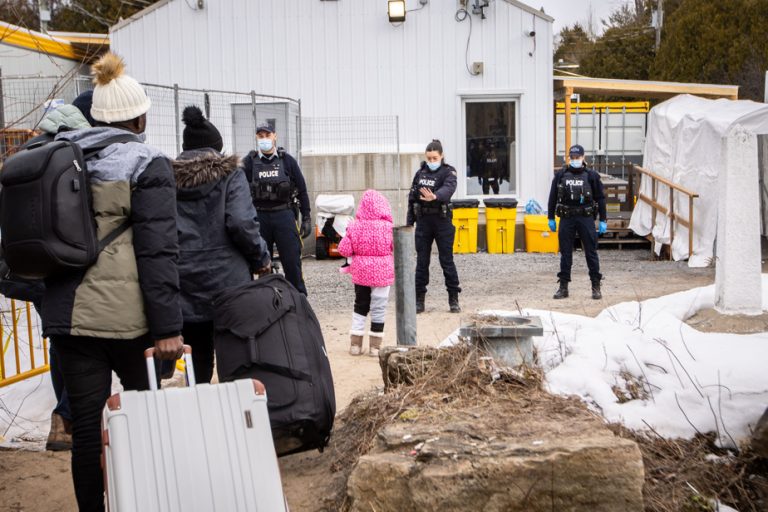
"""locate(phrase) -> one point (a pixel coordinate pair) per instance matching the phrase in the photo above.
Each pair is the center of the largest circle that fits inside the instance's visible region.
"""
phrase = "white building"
(344, 59)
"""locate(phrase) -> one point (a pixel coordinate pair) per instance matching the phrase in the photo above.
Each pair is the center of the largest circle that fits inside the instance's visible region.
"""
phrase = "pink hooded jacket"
(369, 242)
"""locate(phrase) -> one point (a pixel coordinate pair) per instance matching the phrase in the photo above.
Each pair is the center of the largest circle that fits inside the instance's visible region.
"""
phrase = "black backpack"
(47, 221)
(267, 330)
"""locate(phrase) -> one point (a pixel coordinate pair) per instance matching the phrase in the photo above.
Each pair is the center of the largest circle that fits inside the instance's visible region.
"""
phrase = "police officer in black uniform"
(429, 207)
(280, 195)
(577, 198)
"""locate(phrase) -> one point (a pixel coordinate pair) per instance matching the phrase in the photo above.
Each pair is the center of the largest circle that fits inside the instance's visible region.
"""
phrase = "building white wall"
(17, 61)
(343, 58)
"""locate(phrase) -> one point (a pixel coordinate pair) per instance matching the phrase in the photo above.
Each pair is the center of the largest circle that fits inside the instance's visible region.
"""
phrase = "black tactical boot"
(561, 292)
(453, 302)
(596, 293)
(420, 302)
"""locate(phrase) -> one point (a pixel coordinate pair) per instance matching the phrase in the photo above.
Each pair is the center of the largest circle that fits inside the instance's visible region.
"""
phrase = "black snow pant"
(280, 228)
(435, 228)
(585, 227)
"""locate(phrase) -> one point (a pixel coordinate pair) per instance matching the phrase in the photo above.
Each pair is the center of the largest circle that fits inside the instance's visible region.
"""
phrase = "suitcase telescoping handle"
(189, 369)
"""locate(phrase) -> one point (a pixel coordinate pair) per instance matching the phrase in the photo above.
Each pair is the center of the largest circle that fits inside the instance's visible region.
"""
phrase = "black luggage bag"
(266, 330)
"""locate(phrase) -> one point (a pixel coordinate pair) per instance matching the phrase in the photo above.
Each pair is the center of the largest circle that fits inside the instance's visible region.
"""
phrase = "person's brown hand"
(264, 270)
(169, 348)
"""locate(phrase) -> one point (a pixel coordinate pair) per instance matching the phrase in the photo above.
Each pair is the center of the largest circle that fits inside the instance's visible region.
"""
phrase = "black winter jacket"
(219, 240)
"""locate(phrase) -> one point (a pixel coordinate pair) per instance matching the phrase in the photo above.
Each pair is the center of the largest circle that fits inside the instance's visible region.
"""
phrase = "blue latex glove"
(552, 225)
(603, 227)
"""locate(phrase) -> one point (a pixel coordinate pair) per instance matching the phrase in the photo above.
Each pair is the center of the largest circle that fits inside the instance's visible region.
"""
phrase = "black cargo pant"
(280, 228)
(199, 336)
(435, 228)
(585, 228)
(87, 365)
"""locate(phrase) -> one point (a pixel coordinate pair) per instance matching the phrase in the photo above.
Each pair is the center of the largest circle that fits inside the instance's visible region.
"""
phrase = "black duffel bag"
(267, 330)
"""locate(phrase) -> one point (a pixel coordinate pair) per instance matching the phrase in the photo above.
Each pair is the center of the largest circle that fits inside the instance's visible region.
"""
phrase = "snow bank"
(691, 381)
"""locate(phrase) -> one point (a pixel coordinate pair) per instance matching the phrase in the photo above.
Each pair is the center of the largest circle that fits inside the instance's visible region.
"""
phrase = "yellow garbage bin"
(500, 218)
(465, 221)
(538, 237)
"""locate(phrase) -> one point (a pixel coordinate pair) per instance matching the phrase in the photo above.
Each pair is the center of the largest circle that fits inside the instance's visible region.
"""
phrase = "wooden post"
(690, 226)
(671, 220)
(567, 113)
(405, 285)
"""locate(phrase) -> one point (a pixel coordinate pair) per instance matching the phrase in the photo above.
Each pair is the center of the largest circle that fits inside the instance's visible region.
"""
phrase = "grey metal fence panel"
(347, 155)
(23, 103)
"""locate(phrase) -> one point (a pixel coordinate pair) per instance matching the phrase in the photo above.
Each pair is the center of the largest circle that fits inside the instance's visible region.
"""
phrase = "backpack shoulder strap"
(119, 230)
(92, 152)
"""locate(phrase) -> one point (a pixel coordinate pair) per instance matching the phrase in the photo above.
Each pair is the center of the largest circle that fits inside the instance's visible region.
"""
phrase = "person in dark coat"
(219, 239)
(429, 207)
(577, 197)
(279, 194)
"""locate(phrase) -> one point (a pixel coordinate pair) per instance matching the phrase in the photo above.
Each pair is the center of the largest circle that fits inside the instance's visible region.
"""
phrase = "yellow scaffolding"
(12, 341)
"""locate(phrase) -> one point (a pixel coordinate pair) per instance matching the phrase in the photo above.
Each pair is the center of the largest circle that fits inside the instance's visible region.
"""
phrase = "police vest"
(431, 181)
(574, 195)
(270, 182)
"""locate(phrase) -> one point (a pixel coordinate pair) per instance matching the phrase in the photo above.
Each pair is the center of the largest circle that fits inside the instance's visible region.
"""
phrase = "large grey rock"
(480, 461)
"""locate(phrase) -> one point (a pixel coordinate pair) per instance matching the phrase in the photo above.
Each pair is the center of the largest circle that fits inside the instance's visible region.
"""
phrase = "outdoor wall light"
(396, 11)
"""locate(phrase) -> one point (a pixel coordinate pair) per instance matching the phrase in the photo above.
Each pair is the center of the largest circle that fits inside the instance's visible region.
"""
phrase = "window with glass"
(491, 140)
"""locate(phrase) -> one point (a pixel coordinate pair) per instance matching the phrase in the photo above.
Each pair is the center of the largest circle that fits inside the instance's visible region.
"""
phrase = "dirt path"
(38, 481)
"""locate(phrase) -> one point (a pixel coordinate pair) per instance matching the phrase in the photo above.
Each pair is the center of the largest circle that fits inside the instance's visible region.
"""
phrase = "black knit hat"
(199, 132)
(83, 102)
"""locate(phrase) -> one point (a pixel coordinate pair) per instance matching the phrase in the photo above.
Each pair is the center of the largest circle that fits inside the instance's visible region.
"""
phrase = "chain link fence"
(337, 154)
(24, 102)
(348, 155)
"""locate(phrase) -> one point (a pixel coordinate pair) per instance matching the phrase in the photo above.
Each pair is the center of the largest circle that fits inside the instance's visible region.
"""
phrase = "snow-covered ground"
(690, 381)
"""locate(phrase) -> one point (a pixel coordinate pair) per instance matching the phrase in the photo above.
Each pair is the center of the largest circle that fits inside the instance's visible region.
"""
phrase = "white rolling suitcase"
(201, 448)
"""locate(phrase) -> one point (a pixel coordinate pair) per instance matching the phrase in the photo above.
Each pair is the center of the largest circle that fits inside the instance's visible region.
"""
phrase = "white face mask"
(265, 144)
(577, 163)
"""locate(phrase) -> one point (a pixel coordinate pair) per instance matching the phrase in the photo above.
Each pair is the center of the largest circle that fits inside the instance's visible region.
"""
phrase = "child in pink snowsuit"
(368, 242)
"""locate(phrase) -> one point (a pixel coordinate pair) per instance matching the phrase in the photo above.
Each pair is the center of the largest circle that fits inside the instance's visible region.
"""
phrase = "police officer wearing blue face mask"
(429, 208)
(279, 194)
(577, 198)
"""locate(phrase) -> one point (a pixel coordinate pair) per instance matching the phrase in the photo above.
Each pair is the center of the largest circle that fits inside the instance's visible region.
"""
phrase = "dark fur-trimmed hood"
(197, 168)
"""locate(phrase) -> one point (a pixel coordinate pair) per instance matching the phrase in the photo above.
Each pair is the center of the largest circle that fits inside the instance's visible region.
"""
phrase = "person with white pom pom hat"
(102, 318)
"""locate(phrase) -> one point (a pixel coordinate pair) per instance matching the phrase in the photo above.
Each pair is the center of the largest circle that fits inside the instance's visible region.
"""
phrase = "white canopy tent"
(684, 144)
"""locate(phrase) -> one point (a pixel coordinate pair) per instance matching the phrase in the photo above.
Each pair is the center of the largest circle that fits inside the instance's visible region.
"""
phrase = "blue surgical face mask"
(576, 164)
(265, 144)
(433, 166)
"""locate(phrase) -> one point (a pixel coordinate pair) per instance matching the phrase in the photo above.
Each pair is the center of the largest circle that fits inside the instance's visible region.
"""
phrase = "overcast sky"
(567, 12)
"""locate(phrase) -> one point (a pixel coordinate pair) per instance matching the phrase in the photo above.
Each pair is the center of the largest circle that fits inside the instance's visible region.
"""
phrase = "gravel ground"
(527, 279)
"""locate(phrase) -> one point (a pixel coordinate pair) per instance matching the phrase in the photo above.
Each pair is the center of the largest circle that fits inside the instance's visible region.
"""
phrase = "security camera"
(531, 33)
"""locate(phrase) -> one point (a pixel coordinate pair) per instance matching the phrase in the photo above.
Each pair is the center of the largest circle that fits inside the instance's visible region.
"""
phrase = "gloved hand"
(306, 228)
(603, 227)
(552, 225)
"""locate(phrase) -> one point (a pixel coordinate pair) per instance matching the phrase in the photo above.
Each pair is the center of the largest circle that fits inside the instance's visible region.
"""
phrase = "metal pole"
(659, 23)
(2, 116)
(765, 97)
(397, 166)
(568, 92)
(405, 285)
(298, 134)
(177, 117)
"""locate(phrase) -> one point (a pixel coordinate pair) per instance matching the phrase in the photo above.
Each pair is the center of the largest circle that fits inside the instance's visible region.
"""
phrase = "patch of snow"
(692, 381)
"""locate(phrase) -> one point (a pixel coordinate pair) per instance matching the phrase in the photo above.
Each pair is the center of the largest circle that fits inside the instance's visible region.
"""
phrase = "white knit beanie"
(116, 97)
